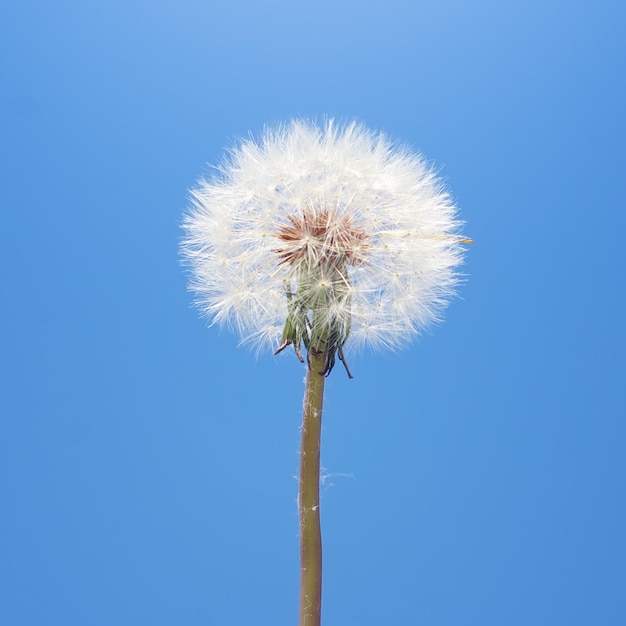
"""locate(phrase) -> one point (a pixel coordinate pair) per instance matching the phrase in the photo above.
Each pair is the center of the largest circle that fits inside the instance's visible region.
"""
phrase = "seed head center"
(321, 238)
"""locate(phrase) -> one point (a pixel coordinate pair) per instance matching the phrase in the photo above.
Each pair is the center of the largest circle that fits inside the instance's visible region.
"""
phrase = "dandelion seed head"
(323, 218)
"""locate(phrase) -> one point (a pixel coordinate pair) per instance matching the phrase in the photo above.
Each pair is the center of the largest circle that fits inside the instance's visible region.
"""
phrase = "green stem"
(309, 494)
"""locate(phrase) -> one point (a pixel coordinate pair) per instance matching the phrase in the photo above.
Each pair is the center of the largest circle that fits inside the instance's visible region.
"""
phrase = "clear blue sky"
(147, 463)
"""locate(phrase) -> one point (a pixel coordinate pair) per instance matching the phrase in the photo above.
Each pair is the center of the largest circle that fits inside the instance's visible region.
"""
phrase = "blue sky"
(147, 463)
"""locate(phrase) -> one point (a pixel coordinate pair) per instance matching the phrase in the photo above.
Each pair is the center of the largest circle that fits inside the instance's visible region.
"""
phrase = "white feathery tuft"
(373, 217)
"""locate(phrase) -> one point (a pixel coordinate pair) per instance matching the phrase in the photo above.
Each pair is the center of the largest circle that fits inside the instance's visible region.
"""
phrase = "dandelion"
(323, 239)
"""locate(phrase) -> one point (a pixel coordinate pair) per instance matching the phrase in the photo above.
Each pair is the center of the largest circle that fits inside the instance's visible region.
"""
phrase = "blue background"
(147, 464)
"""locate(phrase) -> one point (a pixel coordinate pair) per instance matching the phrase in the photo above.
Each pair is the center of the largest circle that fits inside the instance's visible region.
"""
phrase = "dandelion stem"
(309, 494)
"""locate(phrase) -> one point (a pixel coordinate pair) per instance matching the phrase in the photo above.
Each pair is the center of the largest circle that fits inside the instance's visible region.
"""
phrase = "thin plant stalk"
(309, 494)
